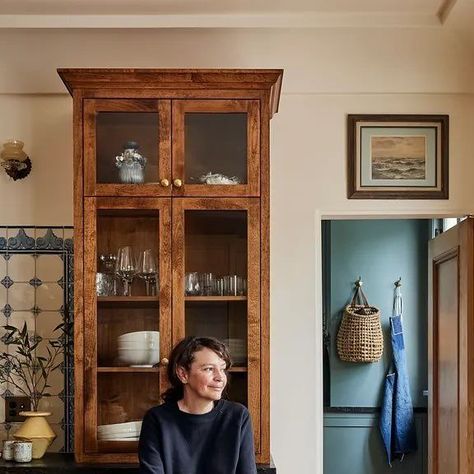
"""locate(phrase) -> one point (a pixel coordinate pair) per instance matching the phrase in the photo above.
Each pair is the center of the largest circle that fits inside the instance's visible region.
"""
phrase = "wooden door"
(219, 139)
(451, 351)
(214, 239)
(109, 126)
(119, 384)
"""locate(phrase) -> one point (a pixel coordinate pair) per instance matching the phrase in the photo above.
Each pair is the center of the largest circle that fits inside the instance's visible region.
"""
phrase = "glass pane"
(133, 138)
(123, 399)
(215, 278)
(215, 148)
(127, 284)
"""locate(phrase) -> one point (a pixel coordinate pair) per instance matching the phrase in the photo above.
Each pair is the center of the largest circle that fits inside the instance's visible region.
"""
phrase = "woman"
(196, 431)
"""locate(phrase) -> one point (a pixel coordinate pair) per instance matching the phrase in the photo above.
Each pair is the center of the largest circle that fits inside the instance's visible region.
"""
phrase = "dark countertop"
(60, 463)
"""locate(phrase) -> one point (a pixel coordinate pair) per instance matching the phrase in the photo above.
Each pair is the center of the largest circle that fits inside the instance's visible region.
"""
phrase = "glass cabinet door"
(127, 147)
(216, 285)
(216, 147)
(127, 308)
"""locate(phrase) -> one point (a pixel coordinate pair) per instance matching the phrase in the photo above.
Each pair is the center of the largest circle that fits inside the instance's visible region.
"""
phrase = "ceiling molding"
(280, 20)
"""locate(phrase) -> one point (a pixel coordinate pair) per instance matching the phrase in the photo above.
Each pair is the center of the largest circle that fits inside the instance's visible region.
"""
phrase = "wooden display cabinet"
(201, 207)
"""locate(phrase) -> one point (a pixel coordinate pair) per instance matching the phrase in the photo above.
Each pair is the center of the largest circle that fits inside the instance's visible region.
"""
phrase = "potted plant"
(28, 372)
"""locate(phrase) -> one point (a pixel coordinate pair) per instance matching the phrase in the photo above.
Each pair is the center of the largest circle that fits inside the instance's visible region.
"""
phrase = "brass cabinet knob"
(177, 183)
(164, 361)
(165, 183)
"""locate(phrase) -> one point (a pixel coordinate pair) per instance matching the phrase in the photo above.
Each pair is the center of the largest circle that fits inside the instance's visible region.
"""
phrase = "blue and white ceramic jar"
(131, 164)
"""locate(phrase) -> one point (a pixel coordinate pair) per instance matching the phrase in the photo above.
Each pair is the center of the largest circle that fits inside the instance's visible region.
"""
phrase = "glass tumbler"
(191, 284)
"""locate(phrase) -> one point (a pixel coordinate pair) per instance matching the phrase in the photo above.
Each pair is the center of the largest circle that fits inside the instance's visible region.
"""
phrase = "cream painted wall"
(328, 73)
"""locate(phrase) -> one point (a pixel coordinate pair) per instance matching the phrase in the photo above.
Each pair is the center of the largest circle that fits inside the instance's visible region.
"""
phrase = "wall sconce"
(15, 161)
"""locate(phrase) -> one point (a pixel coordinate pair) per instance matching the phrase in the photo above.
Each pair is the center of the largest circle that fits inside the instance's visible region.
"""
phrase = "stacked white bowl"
(238, 350)
(139, 349)
(129, 431)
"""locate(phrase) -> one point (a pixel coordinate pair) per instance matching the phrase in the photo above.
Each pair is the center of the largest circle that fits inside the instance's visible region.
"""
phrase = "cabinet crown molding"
(152, 78)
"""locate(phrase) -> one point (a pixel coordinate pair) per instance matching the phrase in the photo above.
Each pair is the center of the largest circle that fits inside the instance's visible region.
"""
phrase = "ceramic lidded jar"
(131, 164)
(37, 430)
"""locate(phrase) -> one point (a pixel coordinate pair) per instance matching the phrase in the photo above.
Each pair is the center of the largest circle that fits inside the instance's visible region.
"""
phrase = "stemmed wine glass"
(126, 268)
(147, 270)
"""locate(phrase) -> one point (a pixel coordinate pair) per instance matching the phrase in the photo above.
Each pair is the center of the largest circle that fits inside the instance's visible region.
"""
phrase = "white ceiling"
(100, 14)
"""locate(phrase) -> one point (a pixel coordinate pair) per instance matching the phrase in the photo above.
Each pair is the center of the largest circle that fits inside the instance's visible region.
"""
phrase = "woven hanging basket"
(360, 337)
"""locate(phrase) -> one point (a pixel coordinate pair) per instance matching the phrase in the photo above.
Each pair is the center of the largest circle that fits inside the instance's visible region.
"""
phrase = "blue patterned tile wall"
(37, 287)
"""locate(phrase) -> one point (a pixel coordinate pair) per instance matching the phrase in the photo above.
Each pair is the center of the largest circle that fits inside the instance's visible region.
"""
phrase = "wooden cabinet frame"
(94, 106)
(252, 109)
(252, 207)
(91, 369)
(170, 92)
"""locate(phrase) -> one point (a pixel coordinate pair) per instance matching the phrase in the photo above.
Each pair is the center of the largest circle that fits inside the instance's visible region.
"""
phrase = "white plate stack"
(238, 350)
(139, 349)
(129, 431)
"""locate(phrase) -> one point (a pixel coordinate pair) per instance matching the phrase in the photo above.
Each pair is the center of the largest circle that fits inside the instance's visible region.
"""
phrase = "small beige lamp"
(15, 161)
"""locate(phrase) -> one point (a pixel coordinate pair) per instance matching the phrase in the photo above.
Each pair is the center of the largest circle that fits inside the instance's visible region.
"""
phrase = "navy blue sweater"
(218, 442)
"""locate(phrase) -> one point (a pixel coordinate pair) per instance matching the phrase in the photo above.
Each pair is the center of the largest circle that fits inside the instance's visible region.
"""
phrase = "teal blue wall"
(380, 251)
(352, 445)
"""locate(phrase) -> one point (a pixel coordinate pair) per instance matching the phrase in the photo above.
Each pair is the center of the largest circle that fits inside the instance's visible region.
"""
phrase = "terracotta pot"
(36, 429)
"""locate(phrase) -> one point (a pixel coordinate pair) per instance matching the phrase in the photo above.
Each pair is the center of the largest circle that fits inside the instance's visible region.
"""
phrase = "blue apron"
(397, 423)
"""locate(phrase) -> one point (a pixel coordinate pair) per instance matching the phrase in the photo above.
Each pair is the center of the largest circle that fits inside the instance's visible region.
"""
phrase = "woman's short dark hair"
(182, 355)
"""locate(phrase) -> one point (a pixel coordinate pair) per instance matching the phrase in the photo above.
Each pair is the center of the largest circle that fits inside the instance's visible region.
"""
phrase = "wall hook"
(398, 282)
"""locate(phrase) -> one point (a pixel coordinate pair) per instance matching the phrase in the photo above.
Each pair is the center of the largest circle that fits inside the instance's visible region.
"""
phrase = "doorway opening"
(380, 252)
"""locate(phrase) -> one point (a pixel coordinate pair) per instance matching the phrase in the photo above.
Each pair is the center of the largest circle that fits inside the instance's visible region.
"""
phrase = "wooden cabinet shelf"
(215, 298)
(238, 369)
(128, 370)
(175, 165)
(128, 301)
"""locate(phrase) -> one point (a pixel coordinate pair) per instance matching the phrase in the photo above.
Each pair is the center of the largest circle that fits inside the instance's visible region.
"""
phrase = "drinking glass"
(147, 270)
(206, 282)
(126, 268)
(191, 284)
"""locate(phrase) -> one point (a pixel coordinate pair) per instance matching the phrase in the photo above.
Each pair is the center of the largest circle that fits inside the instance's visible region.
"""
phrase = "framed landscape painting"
(398, 156)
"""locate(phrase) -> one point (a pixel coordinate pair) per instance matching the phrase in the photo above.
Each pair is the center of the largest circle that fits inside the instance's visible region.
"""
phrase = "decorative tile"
(55, 406)
(21, 296)
(46, 322)
(50, 240)
(3, 267)
(6, 282)
(69, 239)
(58, 444)
(3, 333)
(21, 267)
(69, 431)
(19, 318)
(3, 431)
(35, 282)
(2, 412)
(49, 297)
(16, 389)
(3, 296)
(20, 238)
(41, 245)
(6, 394)
(49, 267)
(7, 310)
